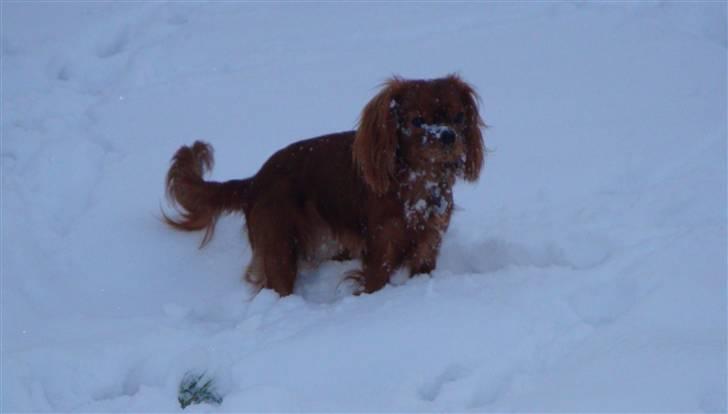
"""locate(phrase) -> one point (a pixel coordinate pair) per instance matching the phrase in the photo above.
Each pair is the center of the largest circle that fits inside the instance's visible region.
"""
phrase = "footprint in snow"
(435, 388)
(114, 46)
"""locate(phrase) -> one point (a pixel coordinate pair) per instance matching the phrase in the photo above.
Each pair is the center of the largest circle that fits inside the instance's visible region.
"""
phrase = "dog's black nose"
(447, 136)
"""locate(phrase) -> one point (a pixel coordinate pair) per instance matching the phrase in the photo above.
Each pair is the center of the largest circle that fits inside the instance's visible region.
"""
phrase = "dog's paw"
(351, 284)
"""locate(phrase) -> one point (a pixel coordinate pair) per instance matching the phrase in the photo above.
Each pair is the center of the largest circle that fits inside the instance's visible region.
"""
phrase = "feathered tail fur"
(199, 203)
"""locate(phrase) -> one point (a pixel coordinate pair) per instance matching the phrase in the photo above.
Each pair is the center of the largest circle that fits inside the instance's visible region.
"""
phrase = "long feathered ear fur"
(375, 144)
(473, 131)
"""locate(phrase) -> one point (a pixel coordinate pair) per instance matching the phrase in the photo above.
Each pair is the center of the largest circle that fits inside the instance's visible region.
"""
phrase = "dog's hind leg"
(275, 257)
(281, 268)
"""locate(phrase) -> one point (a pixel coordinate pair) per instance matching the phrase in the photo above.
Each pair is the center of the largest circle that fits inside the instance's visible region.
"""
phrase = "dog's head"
(423, 125)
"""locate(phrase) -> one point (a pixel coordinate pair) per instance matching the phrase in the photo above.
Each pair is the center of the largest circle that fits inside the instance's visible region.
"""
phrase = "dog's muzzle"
(441, 132)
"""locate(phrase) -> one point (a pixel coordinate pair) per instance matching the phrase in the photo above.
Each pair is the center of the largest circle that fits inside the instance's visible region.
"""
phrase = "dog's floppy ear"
(375, 144)
(473, 134)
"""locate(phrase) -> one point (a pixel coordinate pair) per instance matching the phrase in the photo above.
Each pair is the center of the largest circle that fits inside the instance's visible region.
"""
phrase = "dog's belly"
(324, 247)
(323, 244)
(320, 242)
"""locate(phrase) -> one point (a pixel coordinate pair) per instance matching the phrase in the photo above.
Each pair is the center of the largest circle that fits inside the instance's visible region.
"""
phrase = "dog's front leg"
(385, 252)
(423, 258)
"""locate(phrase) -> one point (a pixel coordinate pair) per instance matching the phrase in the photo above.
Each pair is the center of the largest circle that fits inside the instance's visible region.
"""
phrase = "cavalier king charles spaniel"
(381, 193)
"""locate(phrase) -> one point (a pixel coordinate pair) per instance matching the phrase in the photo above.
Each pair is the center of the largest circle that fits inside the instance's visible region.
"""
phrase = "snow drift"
(585, 271)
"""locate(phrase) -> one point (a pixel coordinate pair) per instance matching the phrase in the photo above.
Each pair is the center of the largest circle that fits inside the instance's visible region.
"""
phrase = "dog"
(381, 193)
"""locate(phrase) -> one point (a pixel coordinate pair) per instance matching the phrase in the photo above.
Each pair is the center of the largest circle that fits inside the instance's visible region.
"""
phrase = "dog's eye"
(459, 118)
(418, 121)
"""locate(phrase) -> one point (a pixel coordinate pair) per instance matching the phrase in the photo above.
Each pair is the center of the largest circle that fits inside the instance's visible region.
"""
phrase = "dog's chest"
(426, 203)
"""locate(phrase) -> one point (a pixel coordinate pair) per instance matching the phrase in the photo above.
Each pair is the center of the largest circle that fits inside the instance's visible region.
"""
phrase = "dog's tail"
(199, 202)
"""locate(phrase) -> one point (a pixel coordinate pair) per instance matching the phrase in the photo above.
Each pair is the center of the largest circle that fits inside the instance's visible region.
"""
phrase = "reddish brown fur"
(382, 193)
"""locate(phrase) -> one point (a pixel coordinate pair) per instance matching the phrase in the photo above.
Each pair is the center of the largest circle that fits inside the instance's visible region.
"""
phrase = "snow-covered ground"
(585, 271)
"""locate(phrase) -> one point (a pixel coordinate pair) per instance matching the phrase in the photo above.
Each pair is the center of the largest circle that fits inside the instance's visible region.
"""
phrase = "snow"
(434, 131)
(585, 271)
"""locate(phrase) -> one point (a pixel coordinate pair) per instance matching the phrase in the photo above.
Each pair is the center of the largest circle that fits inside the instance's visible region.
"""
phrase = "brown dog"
(382, 193)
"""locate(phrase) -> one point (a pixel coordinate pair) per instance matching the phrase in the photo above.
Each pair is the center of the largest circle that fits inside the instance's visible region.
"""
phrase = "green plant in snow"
(196, 389)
